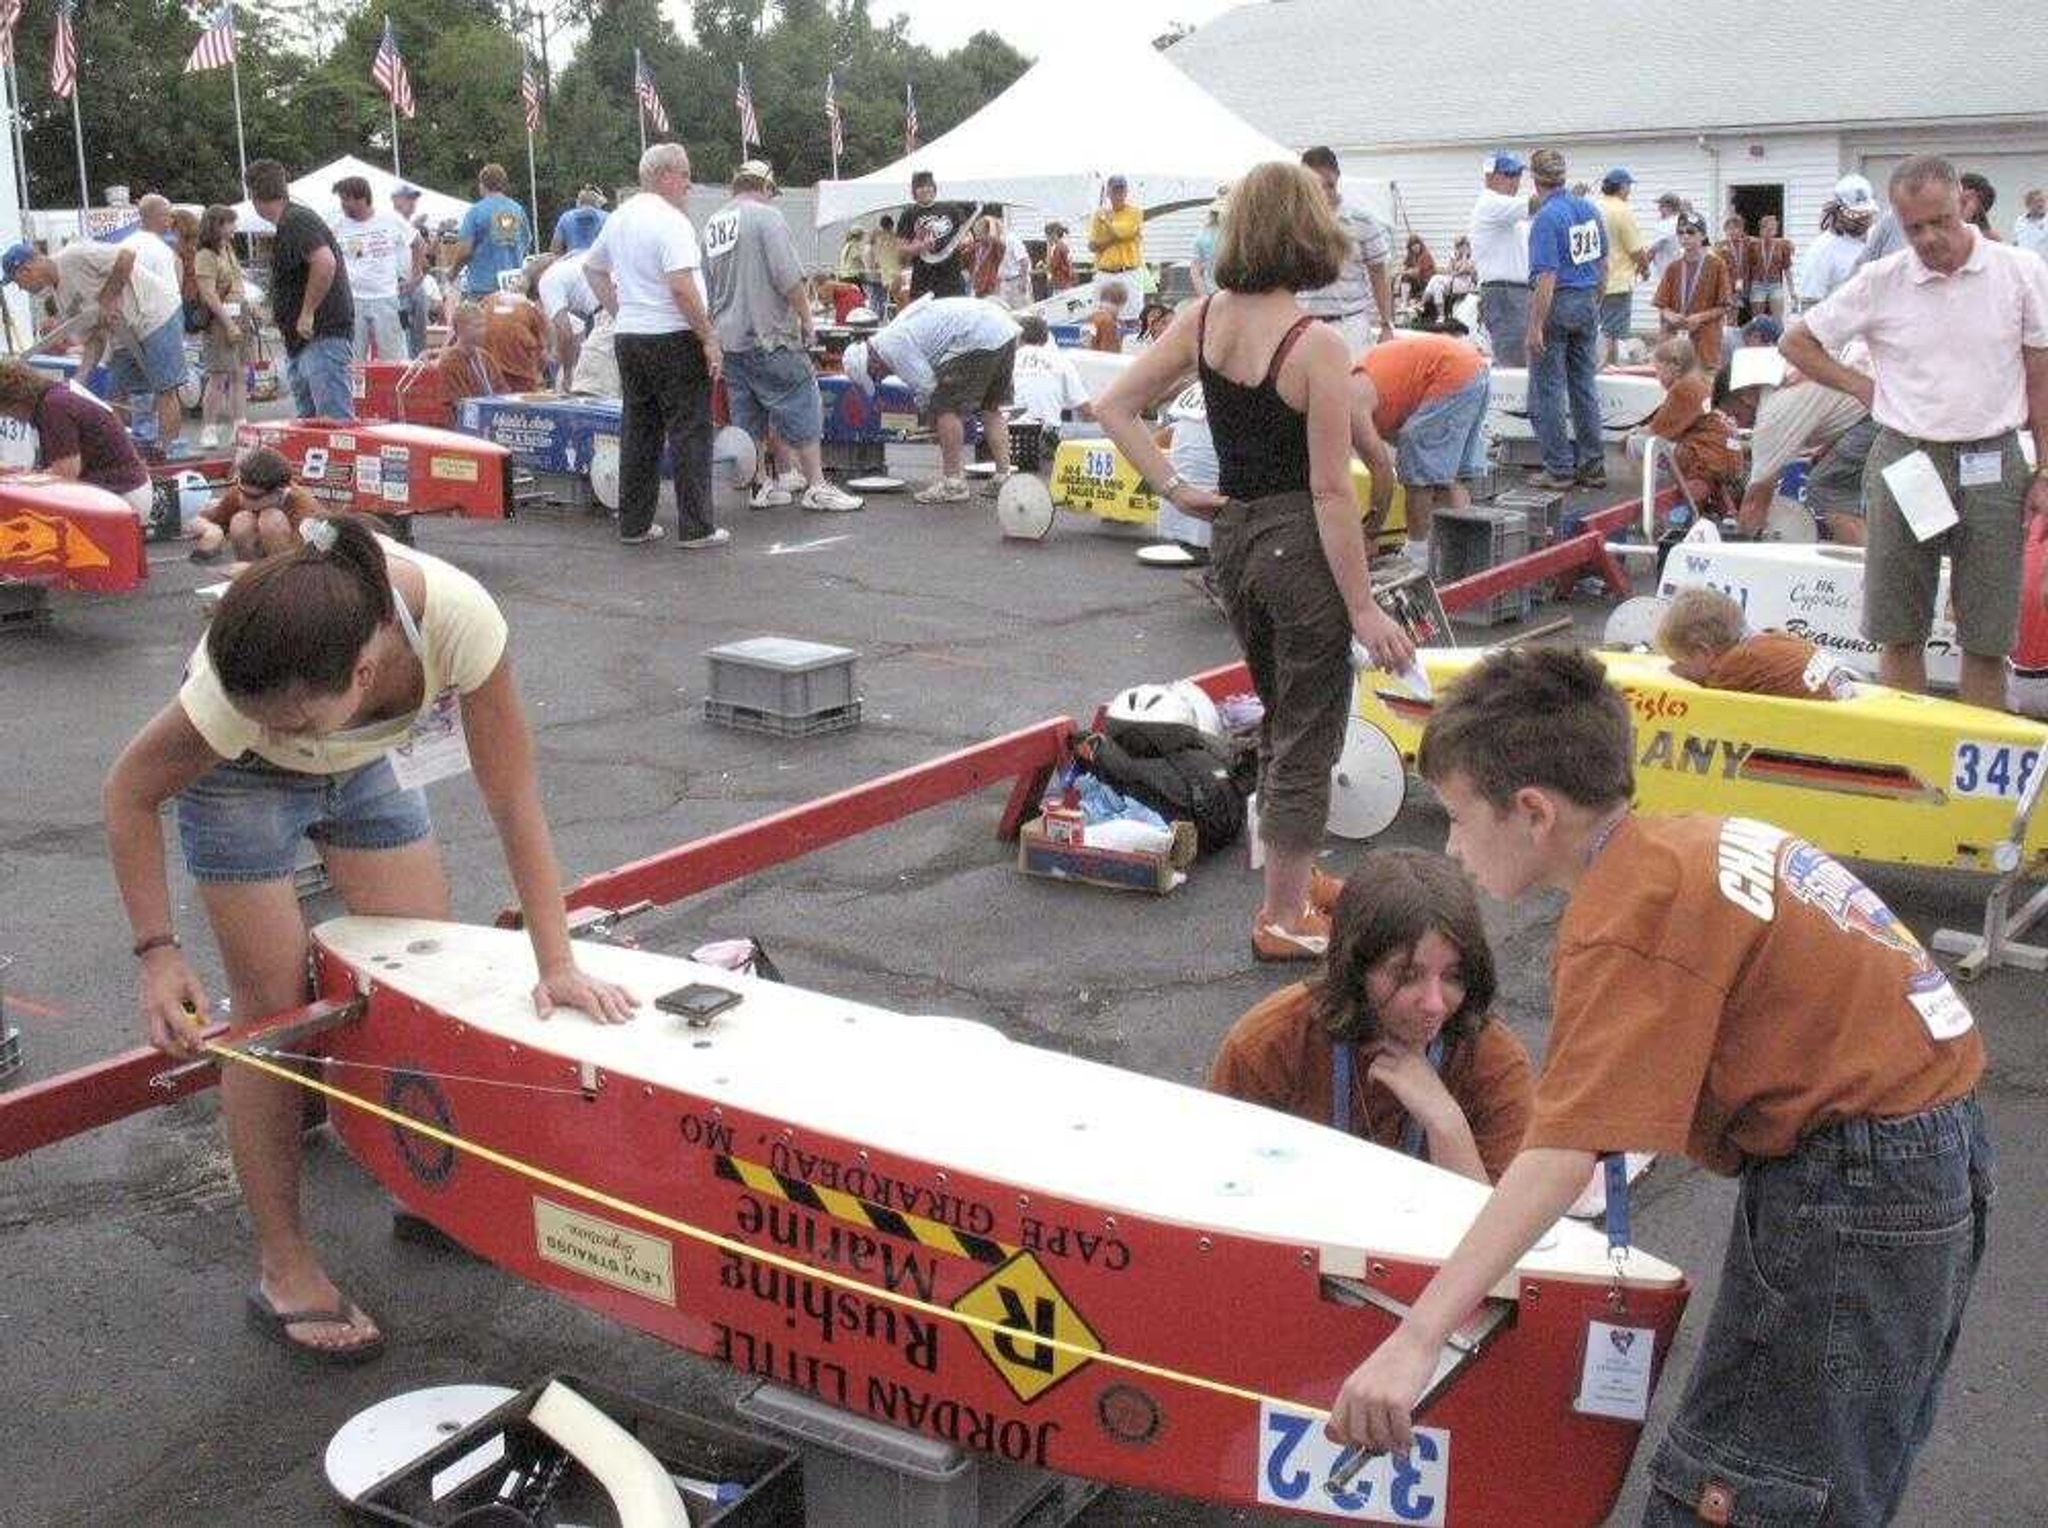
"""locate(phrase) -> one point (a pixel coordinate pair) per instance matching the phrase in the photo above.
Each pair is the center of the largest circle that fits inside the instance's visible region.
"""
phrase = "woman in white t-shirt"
(333, 682)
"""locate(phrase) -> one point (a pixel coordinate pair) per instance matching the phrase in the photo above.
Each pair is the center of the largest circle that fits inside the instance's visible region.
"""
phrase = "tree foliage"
(308, 97)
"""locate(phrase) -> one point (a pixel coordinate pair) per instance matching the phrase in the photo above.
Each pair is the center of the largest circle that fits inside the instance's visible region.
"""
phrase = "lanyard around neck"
(1414, 1140)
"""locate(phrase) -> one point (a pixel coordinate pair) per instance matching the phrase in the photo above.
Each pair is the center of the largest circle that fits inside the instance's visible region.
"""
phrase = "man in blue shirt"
(1567, 267)
(495, 236)
(578, 227)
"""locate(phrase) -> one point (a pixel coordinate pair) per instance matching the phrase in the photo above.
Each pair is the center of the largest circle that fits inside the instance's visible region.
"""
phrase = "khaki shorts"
(975, 380)
(1985, 549)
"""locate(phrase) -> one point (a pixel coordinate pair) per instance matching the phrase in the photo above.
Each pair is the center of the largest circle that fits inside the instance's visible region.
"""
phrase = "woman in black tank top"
(1289, 552)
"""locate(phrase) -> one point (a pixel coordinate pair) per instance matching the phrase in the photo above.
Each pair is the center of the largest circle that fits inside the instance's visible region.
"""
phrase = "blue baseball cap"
(404, 189)
(1502, 162)
(16, 257)
(1617, 177)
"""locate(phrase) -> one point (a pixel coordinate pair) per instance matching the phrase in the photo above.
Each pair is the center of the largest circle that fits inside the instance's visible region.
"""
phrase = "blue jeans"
(1571, 355)
(319, 373)
(1842, 1295)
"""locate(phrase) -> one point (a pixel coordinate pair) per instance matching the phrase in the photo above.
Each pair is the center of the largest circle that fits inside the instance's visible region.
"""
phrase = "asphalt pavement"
(131, 1390)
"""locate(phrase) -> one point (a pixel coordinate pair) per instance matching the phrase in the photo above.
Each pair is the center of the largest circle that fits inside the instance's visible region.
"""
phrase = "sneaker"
(770, 495)
(943, 491)
(1594, 476)
(829, 498)
(718, 537)
(1311, 941)
(1323, 890)
(652, 533)
(994, 486)
(791, 482)
(1552, 482)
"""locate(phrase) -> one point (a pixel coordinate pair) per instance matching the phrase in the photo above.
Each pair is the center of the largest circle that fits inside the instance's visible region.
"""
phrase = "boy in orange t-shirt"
(258, 514)
(1706, 639)
(1720, 988)
(1706, 452)
(1428, 394)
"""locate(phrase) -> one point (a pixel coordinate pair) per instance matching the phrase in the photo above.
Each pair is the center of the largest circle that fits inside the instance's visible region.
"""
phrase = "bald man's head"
(155, 212)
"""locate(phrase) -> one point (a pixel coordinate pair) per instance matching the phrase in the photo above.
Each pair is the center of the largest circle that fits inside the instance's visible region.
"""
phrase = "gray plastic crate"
(860, 1473)
(1544, 507)
(748, 719)
(1468, 541)
(782, 676)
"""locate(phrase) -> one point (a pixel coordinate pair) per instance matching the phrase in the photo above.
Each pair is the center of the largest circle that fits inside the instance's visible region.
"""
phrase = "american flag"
(909, 120)
(10, 13)
(834, 122)
(388, 70)
(750, 125)
(216, 46)
(650, 98)
(64, 52)
(529, 93)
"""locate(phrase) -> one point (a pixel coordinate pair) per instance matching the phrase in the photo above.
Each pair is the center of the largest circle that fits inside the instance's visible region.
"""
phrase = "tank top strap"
(1202, 336)
(1280, 350)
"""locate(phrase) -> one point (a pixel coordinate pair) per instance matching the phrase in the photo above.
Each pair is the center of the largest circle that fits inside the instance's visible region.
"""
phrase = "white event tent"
(1064, 127)
(316, 190)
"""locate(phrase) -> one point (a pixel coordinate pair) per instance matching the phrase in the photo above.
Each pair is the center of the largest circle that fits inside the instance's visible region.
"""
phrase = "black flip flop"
(276, 1325)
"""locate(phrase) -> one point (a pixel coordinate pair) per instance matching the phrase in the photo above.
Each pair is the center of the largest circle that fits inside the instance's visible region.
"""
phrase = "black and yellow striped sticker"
(934, 1234)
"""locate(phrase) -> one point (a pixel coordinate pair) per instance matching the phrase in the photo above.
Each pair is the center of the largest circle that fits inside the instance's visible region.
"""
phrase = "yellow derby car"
(1094, 478)
(1878, 775)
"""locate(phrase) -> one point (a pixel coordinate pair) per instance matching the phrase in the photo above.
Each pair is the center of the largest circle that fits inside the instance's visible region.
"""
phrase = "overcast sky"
(1035, 27)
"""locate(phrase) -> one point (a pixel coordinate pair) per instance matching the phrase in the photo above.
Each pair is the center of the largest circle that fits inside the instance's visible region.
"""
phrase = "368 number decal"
(1295, 1458)
(1998, 770)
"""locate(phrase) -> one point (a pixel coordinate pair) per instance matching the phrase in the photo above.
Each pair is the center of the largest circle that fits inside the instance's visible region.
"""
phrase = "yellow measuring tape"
(554, 1180)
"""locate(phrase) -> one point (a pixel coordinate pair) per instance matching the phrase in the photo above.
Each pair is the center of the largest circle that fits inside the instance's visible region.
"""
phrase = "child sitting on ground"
(259, 514)
(1706, 452)
(1704, 636)
(467, 367)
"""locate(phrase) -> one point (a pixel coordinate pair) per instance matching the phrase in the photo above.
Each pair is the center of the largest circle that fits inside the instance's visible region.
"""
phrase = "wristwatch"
(1166, 488)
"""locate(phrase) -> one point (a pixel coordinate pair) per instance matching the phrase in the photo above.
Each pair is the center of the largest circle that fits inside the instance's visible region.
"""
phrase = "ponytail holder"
(319, 535)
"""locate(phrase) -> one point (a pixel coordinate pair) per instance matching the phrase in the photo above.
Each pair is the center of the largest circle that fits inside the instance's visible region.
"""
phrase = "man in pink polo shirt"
(1957, 327)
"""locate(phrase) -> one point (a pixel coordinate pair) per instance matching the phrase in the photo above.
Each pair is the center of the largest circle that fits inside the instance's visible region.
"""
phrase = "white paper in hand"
(1920, 494)
(1756, 366)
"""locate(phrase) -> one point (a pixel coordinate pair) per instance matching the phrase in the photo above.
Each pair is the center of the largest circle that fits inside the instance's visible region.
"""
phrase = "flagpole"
(20, 147)
(241, 148)
(532, 188)
(640, 101)
(78, 139)
(396, 173)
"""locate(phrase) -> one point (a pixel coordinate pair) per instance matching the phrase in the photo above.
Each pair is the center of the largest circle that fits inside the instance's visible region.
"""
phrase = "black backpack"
(1180, 772)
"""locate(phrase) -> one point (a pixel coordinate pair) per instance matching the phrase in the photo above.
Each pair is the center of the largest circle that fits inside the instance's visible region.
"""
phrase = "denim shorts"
(1617, 313)
(242, 821)
(774, 388)
(1848, 1268)
(163, 367)
(1443, 440)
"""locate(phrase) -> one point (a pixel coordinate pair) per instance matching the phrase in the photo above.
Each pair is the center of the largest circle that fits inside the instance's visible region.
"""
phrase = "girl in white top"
(334, 681)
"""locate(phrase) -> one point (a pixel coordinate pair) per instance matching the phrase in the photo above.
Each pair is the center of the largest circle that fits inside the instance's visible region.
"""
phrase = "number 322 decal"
(1295, 1458)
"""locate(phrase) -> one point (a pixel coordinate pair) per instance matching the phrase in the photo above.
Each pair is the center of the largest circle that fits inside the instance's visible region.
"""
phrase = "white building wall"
(2013, 158)
(1437, 186)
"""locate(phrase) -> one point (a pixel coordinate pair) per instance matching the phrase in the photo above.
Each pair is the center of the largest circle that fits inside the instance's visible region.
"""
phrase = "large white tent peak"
(1064, 127)
(315, 189)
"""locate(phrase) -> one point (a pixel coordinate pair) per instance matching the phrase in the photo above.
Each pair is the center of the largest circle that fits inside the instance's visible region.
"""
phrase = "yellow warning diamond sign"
(1021, 1297)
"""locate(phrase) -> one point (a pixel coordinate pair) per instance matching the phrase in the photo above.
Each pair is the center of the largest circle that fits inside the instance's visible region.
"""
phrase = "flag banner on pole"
(10, 13)
(529, 93)
(388, 71)
(64, 52)
(909, 120)
(216, 46)
(650, 98)
(834, 122)
(750, 124)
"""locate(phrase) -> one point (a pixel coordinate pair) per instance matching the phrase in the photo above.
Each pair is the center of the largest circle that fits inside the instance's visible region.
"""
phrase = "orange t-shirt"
(472, 374)
(1279, 1055)
(1773, 663)
(1722, 988)
(1707, 445)
(1103, 333)
(298, 505)
(1414, 369)
(1709, 289)
(516, 336)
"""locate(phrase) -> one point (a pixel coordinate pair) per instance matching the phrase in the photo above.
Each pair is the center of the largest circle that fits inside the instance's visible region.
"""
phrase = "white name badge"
(1980, 469)
(1940, 1007)
(232, 309)
(1922, 497)
(1614, 1380)
(435, 749)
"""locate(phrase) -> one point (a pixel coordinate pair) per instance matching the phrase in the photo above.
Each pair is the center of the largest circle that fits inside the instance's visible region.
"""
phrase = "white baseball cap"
(1855, 191)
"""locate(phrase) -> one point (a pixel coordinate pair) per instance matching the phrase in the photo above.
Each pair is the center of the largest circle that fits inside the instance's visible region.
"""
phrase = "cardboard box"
(1118, 869)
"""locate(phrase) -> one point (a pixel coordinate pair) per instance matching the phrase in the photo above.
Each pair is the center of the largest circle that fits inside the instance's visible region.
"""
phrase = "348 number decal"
(1295, 1458)
(1998, 770)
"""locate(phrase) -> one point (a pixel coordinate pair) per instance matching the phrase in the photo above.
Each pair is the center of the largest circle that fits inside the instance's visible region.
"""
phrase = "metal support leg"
(2000, 942)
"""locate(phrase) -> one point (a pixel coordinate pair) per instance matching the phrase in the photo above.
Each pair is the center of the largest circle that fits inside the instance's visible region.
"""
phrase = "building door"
(1754, 202)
